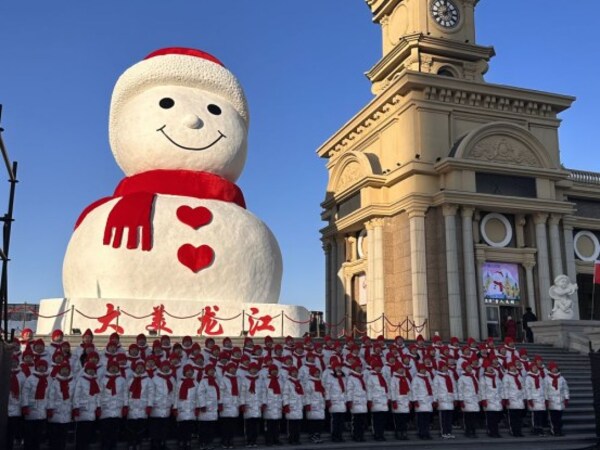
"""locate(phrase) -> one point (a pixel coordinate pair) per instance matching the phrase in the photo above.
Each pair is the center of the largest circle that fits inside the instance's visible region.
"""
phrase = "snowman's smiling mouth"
(162, 130)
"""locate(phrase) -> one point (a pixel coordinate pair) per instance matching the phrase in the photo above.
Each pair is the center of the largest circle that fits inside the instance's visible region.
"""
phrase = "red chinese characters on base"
(262, 323)
(209, 325)
(106, 320)
(158, 320)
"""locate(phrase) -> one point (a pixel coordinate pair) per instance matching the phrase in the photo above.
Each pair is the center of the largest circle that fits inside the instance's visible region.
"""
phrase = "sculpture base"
(173, 317)
(568, 334)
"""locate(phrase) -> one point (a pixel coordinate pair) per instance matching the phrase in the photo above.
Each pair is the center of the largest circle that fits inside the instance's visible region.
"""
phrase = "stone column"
(376, 305)
(328, 285)
(340, 292)
(555, 252)
(454, 307)
(470, 275)
(570, 263)
(542, 263)
(530, 286)
(520, 222)
(418, 267)
(482, 306)
(348, 306)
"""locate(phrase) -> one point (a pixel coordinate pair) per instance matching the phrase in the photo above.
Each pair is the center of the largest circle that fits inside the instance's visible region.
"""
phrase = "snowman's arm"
(90, 208)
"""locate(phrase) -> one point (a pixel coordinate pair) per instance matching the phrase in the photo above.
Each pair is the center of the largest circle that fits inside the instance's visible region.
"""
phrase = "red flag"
(597, 272)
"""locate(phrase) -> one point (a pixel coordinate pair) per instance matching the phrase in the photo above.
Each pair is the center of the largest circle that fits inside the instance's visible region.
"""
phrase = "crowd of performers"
(149, 390)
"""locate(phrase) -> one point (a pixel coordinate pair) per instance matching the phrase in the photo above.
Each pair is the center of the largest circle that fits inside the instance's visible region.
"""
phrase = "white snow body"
(246, 264)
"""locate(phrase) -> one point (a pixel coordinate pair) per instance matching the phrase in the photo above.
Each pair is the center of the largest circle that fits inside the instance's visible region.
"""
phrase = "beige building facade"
(447, 203)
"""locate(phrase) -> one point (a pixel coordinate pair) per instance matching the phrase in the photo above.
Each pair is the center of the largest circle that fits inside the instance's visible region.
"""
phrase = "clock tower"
(432, 36)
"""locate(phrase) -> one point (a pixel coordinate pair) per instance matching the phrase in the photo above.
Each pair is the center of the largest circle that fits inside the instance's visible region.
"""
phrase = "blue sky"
(302, 66)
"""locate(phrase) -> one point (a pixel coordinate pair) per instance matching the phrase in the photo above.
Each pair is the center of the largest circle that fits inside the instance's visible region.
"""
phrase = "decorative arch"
(350, 168)
(503, 143)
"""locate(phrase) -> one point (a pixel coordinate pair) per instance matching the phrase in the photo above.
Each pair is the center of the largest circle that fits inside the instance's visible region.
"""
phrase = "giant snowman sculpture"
(176, 233)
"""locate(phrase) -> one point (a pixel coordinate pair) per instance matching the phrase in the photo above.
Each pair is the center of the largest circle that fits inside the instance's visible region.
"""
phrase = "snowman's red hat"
(180, 67)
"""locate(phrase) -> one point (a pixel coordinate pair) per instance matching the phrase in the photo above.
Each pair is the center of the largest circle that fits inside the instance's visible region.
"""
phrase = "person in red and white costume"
(514, 399)
(162, 404)
(113, 402)
(536, 399)
(56, 340)
(252, 400)
(314, 392)
(557, 397)
(60, 407)
(186, 407)
(356, 397)
(34, 404)
(86, 405)
(140, 400)
(293, 404)
(15, 418)
(446, 396)
(469, 398)
(26, 338)
(378, 397)
(400, 396)
(423, 399)
(336, 398)
(273, 406)
(492, 395)
(40, 352)
(209, 402)
(230, 399)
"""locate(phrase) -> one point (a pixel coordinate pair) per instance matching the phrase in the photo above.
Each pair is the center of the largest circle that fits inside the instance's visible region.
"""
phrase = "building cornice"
(447, 165)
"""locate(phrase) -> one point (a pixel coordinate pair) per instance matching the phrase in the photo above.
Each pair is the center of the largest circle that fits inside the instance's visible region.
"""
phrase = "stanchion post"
(118, 315)
(282, 322)
(383, 324)
(72, 314)
(243, 321)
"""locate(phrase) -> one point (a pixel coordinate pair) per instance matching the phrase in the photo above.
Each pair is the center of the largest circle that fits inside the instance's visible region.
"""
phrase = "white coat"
(112, 405)
(402, 400)
(556, 396)
(492, 395)
(252, 401)
(535, 395)
(444, 398)
(209, 398)
(231, 403)
(315, 399)
(186, 408)
(62, 408)
(512, 393)
(83, 401)
(163, 400)
(137, 406)
(294, 400)
(273, 401)
(418, 389)
(335, 394)
(14, 402)
(376, 394)
(356, 394)
(468, 393)
(37, 407)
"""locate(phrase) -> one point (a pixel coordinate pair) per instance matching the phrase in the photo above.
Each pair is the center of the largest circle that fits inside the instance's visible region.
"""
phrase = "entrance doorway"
(496, 317)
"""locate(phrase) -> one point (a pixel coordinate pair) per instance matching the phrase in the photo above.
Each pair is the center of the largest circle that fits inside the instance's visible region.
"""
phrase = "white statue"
(561, 293)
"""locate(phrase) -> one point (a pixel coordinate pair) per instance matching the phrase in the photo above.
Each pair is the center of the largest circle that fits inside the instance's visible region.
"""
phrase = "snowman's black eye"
(214, 109)
(166, 103)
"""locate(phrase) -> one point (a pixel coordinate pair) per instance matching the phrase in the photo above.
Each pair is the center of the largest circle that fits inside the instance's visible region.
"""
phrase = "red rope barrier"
(87, 317)
(330, 325)
(296, 321)
(229, 318)
(136, 317)
(182, 317)
(52, 317)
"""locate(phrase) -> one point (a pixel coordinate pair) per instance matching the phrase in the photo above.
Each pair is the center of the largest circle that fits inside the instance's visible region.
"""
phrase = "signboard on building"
(501, 283)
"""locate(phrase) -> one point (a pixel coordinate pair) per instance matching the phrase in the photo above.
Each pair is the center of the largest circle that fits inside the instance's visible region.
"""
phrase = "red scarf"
(252, 379)
(54, 371)
(297, 386)
(403, 385)
(475, 382)
(14, 383)
(167, 377)
(360, 378)
(136, 387)
(234, 385)
(40, 390)
(64, 387)
(382, 382)
(213, 383)
(274, 385)
(493, 378)
(341, 382)
(555, 377)
(186, 385)
(536, 379)
(112, 383)
(94, 388)
(299, 359)
(425, 378)
(318, 386)
(26, 369)
(134, 209)
(448, 380)
(516, 378)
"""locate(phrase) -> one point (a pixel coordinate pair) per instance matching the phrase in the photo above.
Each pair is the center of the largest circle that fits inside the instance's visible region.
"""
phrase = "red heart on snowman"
(194, 217)
(195, 258)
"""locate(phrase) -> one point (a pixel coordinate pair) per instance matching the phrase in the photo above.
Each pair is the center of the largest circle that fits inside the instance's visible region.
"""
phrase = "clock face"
(445, 13)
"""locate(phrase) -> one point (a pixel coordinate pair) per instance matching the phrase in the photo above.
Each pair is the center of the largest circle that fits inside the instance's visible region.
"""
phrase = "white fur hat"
(181, 67)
